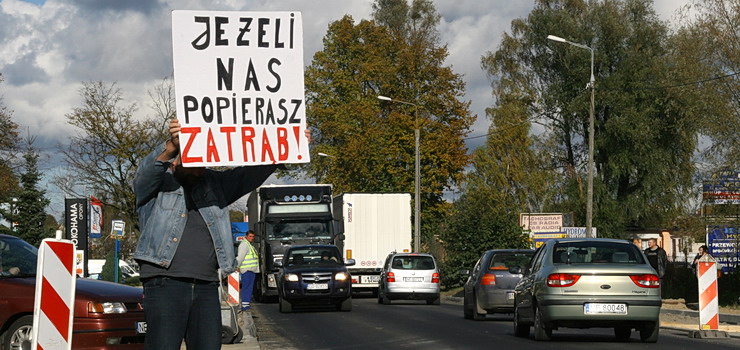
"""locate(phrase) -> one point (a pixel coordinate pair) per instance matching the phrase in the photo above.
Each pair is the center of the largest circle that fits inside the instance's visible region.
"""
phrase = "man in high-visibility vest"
(248, 266)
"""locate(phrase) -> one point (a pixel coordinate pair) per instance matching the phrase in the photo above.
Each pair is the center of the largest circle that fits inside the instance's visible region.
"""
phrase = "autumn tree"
(105, 153)
(644, 138)
(9, 142)
(371, 142)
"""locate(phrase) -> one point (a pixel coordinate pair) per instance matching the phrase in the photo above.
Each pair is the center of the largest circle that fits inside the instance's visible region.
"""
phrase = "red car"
(106, 315)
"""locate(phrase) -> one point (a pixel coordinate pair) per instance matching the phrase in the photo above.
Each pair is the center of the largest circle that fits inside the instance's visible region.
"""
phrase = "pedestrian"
(185, 238)
(702, 250)
(657, 257)
(249, 266)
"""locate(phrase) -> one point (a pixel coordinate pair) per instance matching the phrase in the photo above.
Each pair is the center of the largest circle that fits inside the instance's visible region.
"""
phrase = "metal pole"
(590, 194)
(417, 185)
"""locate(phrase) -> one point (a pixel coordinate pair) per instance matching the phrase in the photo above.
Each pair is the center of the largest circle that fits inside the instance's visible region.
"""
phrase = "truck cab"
(283, 216)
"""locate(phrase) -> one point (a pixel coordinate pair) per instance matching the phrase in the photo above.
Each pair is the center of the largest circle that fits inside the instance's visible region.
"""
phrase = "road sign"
(117, 228)
(579, 232)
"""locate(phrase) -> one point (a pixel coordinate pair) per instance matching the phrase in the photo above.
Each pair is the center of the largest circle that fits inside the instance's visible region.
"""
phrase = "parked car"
(490, 286)
(314, 275)
(409, 276)
(584, 283)
(106, 315)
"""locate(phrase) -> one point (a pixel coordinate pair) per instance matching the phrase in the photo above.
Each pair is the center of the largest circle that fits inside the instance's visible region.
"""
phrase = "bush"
(680, 283)
(108, 272)
(729, 289)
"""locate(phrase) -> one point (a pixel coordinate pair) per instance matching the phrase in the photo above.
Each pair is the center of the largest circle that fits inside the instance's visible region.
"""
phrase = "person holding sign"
(185, 238)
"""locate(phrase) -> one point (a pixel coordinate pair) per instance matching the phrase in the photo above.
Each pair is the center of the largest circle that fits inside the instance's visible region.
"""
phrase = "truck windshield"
(303, 229)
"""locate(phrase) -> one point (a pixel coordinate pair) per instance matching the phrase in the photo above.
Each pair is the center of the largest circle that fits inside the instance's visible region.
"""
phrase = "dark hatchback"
(314, 275)
(490, 286)
(106, 315)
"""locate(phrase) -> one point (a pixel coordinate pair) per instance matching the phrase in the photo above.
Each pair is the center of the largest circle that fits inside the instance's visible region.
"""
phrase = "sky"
(48, 48)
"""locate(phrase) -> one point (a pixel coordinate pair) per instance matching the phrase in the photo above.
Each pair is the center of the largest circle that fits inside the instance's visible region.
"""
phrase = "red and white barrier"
(233, 299)
(55, 295)
(708, 294)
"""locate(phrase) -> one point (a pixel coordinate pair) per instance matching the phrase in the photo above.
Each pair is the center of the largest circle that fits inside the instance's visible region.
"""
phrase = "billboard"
(537, 222)
(723, 188)
(723, 242)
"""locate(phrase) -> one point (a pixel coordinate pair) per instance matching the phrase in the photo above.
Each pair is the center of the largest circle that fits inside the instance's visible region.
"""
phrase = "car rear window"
(411, 262)
(507, 260)
(596, 253)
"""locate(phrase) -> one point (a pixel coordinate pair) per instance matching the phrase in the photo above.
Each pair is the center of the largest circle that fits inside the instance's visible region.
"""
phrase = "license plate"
(369, 279)
(315, 286)
(413, 279)
(595, 308)
(141, 327)
(510, 295)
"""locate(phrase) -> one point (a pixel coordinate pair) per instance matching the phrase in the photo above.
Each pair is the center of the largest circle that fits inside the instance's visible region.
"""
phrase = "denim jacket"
(162, 212)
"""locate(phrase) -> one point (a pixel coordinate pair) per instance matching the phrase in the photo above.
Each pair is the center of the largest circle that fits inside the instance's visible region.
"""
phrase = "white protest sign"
(239, 87)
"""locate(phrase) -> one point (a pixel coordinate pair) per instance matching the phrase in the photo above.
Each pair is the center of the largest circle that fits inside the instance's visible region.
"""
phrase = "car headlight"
(291, 277)
(341, 276)
(107, 308)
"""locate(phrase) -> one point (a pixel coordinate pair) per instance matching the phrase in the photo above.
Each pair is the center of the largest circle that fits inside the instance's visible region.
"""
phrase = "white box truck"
(375, 224)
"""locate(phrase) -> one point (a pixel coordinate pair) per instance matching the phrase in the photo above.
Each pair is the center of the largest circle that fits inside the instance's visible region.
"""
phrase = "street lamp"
(417, 203)
(590, 181)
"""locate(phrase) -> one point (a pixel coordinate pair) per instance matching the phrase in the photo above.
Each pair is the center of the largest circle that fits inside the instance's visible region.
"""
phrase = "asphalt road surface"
(415, 325)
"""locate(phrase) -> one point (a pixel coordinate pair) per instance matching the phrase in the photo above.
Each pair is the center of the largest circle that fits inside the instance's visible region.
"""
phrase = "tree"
(371, 143)
(104, 155)
(31, 214)
(707, 47)
(108, 273)
(644, 140)
(9, 142)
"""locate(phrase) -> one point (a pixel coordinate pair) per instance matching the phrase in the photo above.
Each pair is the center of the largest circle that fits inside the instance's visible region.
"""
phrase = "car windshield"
(291, 230)
(17, 258)
(507, 260)
(594, 252)
(313, 256)
(413, 262)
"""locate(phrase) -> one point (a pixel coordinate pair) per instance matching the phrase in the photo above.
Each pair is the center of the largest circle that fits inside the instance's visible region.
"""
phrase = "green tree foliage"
(707, 48)
(103, 157)
(108, 273)
(31, 205)
(9, 142)
(371, 142)
(644, 137)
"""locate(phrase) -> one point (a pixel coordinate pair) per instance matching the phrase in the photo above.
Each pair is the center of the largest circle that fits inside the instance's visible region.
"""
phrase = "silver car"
(584, 283)
(409, 276)
(490, 286)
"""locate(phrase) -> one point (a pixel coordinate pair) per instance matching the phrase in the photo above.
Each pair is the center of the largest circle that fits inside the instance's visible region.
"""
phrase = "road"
(415, 325)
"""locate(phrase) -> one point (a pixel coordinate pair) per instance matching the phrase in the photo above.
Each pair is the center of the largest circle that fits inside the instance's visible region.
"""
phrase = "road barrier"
(233, 298)
(55, 295)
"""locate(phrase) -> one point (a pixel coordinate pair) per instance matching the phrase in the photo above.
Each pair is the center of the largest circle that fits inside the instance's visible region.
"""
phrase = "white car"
(409, 276)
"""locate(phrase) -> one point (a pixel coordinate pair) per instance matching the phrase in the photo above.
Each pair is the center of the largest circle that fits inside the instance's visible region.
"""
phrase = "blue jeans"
(245, 290)
(181, 308)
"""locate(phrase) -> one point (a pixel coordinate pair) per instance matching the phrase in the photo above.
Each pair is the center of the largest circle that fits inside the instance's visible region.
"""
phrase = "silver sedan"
(584, 283)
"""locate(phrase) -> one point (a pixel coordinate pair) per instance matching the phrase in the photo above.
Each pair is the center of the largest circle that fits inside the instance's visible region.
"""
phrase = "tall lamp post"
(417, 203)
(590, 181)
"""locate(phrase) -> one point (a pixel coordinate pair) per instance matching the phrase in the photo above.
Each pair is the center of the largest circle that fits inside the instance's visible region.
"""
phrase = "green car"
(585, 283)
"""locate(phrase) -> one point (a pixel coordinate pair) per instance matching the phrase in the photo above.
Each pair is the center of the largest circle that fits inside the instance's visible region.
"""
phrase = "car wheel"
(375, 292)
(285, 306)
(476, 315)
(541, 332)
(382, 298)
(649, 332)
(467, 309)
(435, 301)
(346, 305)
(622, 333)
(227, 335)
(20, 334)
(520, 329)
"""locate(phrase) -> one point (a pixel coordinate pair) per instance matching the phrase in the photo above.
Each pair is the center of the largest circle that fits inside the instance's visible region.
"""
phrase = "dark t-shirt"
(195, 256)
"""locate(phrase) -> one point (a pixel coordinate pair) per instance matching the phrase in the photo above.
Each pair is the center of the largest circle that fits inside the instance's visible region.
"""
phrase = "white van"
(95, 267)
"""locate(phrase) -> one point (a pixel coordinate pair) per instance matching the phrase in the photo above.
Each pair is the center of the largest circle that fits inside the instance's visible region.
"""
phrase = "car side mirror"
(515, 270)
(278, 263)
(349, 262)
(464, 272)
